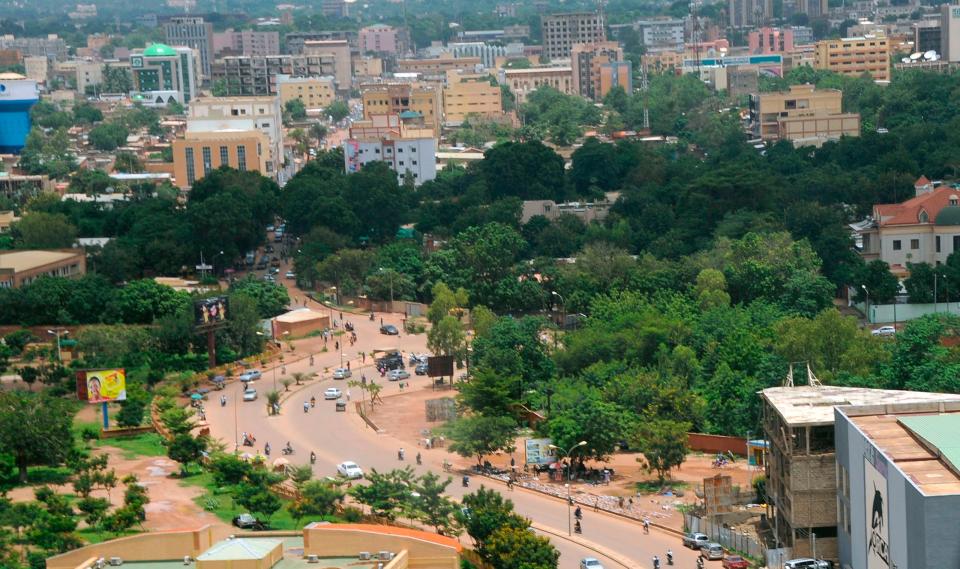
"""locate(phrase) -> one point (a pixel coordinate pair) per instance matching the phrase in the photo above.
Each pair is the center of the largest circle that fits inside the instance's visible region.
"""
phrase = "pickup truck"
(695, 540)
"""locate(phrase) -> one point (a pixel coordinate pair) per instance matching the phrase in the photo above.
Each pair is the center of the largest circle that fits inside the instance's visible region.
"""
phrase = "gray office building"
(898, 484)
(192, 32)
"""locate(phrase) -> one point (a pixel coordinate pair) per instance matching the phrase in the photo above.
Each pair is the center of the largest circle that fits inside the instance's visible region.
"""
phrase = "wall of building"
(315, 93)
(462, 98)
(152, 546)
(348, 541)
(255, 146)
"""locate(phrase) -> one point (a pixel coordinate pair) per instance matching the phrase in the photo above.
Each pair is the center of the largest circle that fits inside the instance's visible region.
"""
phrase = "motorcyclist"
(400, 454)
(306, 407)
(266, 449)
(577, 528)
(700, 562)
(669, 557)
(656, 562)
(313, 457)
(419, 459)
(466, 481)
(578, 513)
(223, 400)
(288, 448)
(646, 526)
(313, 401)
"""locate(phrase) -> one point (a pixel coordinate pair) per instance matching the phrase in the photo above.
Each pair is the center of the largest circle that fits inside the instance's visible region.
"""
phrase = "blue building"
(17, 95)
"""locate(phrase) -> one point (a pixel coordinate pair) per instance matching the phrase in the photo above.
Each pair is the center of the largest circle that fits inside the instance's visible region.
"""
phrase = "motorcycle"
(577, 528)
(656, 563)
(313, 457)
(466, 481)
(669, 557)
(287, 450)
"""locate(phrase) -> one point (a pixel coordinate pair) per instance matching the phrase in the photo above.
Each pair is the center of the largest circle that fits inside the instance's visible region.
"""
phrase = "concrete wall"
(884, 313)
(717, 443)
(349, 539)
(154, 546)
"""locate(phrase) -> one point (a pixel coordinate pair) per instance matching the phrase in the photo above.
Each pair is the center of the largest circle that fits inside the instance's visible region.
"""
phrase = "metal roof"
(238, 549)
(939, 434)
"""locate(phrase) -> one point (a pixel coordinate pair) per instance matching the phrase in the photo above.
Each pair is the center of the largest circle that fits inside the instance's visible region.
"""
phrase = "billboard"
(440, 366)
(102, 385)
(539, 451)
(875, 510)
(207, 311)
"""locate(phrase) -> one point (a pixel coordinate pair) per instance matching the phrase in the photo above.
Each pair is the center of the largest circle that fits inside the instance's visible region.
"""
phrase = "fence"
(727, 537)
(717, 443)
(891, 313)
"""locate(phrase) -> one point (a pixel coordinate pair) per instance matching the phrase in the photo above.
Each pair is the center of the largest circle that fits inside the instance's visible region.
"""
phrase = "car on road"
(421, 369)
(418, 359)
(735, 562)
(342, 373)
(590, 563)
(712, 551)
(392, 360)
(389, 330)
(246, 521)
(250, 395)
(885, 331)
(807, 563)
(290, 275)
(269, 278)
(250, 375)
(398, 374)
(350, 470)
(274, 271)
(695, 540)
(270, 227)
(332, 393)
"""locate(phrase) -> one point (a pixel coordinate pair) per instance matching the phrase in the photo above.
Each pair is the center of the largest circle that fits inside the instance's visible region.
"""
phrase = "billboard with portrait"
(208, 311)
(102, 385)
(876, 508)
(539, 451)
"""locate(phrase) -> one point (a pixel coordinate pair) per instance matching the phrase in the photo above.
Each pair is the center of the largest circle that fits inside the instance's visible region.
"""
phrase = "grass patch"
(93, 536)
(144, 444)
(38, 475)
(656, 487)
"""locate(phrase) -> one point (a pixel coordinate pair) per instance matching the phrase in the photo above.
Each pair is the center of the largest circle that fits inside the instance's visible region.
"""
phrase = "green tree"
(317, 498)
(39, 230)
(338, 110)
(48, 153)
(447, 338)
(144, 301)
(605, 429)
(318, 132)
(433, 508)
(479, 436)
(186, 450)
(663, 444)
(388, 495)
(295, 109)
(271, 299)
(127, 162)
(108, 136)
(527, 170)
(881, 285)
(87, 113)
(486, 512)
(116, 80)
(711, 289)
(255, 495)
(513, 548)
(35, 429)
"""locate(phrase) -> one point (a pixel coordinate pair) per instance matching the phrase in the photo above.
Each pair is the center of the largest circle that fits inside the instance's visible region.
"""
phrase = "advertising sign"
(102, 386)
(210, 310)
(539, 451)
(876, 506)
(440, 366)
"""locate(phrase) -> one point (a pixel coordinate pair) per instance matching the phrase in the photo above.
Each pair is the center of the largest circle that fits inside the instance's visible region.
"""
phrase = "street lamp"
(57, 332)
(390, 273)
(567, 454)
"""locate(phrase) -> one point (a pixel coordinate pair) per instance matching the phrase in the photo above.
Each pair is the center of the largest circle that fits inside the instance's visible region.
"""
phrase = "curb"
(615, 557)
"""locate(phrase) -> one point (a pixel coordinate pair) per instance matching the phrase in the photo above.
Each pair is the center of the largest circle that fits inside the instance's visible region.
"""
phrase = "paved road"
(336, 437)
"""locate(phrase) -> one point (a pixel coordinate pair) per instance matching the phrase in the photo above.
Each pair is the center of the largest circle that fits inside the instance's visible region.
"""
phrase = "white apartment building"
(212, 114)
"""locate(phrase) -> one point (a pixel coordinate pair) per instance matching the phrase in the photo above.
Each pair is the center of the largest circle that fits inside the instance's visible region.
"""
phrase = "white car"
(250, 395)
(590, 563)
(290, 275)
(341, 373)
(332, 393)
(885, 331)
(349, 470)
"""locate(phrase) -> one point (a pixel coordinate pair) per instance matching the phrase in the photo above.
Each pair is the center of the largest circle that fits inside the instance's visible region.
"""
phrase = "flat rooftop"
(300, 315)
(292, 558)
(922, 445)
(806, 405)
(25, 260)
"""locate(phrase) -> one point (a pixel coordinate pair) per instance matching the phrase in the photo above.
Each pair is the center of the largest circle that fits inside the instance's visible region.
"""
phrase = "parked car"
(250, 395)
(421, 369)
(389, 330)
(290, 275)
(712, 551)
(695, 540)
(390, 361)
(590, 563)
(249, 376)
(735, 562)
(808, 563)
(270, 227)
(332, 393)
(418, 359)
(349, 470)
(398, 374)
(246, 521)
(342, 373)
(885, 331)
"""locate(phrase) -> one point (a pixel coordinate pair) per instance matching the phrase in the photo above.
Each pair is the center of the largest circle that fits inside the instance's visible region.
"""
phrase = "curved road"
(336, 437)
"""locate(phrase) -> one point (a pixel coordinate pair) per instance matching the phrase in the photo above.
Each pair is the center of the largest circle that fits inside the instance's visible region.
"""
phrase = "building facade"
(162, 74)
(408, 152)
(950, 32)
(89, 75)
(855, 56)
(51, 47)
(37, 68)
(315, 92)
(597, 68)
(898, 495)
(423, 99)
(812, 8)
(771, 40)
(562, 31)
(198, 153)
(656, 34)
(192, 32)
(221, 114)
(249, 75)
(381, 39)
(804, 115)
(749, 13)
(246, 42)
(294, 41)
(464, 96)
(337, 51)
(522, 82)
(926, 36)
(17, 95)
(436, 66)
(19, 268)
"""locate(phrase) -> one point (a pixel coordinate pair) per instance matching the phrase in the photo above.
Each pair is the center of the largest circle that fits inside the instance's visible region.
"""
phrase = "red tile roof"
(921, 181)
(908, 212)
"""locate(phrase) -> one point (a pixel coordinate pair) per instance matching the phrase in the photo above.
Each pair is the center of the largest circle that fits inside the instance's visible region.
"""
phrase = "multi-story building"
(51, 47)
(562, 31)
(516, 32)
(335, 8)
(381, 39)
(386, 138)
(812, 8)
(248, 75)
(17, 95)
(801, 469)
(597, 68)
(802, 35)
(423, 99)
(522, 82)
(339, 51)
(315, 92)
(470, 95)
(192, 32)
(439, 65)
(246, 42)
(950, 32)
(294, 41)
(803, 115)
(488, 53)
(749, 13)
(926, 36)
(855, 56)
(898, 490)
(37, 68)
(220, 114)
(922, 229)
(162, 74)
(19, 268)
(366, 67)
(771, 40)
(89, 75)
(657, 34)
(198, 153)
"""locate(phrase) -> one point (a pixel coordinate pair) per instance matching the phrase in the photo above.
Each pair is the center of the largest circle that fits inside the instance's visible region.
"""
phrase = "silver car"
(712, 551)
(341, 373)
(398, 374)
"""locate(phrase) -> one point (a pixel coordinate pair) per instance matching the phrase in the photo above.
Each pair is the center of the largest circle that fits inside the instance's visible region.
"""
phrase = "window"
(914, 244)
(242, 158)
(191, 172)
(224, 156)
(938, 243)
(896, 245)
(924, 218)
(207, 166)
(956, 242)
(401, 162)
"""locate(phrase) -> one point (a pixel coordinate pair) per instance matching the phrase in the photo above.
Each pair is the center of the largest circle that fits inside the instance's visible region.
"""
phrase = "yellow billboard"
(102, 386)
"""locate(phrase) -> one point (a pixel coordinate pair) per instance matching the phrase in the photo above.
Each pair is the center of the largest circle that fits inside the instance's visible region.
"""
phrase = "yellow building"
(367, 66)
(438, 65)
(315, 92)
(425, 99)
(522, 82)
(855, 56)
(470, 95)
(195, 155)
(803, 115)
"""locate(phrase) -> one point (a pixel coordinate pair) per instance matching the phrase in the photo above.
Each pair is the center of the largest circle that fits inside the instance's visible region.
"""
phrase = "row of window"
(915, 244)
(207, 163)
